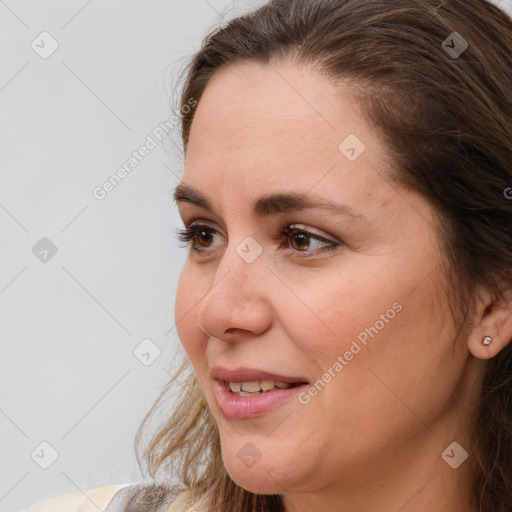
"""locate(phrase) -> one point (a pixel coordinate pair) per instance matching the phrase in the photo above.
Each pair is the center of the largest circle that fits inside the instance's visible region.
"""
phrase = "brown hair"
(447, 124)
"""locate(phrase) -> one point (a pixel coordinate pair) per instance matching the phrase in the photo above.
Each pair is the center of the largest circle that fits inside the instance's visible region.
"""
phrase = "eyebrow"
(281, 202)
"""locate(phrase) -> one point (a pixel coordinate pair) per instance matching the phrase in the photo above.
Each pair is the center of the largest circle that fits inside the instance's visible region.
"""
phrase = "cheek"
(396, 352)
(187, 302)
(336, 311)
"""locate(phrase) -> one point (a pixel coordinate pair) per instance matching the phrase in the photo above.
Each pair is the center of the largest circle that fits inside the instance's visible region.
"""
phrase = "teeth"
(267, 385)
(248, 388)
(235, 386)
(251, 387)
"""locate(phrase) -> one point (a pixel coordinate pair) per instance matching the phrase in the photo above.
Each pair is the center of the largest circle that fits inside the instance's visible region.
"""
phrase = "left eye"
(299, 239)
(302, 239)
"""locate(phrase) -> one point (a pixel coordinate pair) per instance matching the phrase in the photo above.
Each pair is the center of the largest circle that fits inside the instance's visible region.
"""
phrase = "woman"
(346, 304)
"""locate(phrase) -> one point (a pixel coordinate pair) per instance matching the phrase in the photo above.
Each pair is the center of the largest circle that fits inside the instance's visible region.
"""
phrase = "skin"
(371, 439)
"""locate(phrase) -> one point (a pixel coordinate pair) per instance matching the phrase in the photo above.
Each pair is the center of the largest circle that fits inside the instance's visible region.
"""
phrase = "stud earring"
(486, 340)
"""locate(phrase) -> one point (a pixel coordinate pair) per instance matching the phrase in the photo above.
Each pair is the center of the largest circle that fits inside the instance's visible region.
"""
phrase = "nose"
(237, 304)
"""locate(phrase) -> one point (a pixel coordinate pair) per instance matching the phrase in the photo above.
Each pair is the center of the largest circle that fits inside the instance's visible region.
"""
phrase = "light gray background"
(69, 326)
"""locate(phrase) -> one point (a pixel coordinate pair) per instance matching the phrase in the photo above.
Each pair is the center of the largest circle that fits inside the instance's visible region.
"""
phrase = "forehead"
(277, 107)
(268, 124)
(265, 129)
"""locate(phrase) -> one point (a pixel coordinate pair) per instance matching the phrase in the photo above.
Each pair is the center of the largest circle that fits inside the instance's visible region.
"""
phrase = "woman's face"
(356, 308)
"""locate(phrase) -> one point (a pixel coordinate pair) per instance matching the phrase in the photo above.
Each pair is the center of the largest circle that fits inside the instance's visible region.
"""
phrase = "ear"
(494, 318)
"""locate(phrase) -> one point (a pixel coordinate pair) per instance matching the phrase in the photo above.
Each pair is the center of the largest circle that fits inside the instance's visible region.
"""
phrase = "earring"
(486, 340)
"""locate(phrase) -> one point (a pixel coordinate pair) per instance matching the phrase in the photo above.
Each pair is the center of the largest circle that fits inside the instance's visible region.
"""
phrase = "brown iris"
(204, 233)
(302, 239)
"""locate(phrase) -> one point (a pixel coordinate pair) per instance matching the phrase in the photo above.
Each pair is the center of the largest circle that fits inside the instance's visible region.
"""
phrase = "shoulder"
(133, 497)
(185, 502)
(90, 499)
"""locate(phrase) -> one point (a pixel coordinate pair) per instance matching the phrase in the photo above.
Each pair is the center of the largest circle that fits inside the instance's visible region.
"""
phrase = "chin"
(264, 477)
(257, 484)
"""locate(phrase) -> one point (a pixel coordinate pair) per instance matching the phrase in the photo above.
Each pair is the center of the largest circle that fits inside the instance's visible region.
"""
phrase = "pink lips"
(249, 374)
(234, 406)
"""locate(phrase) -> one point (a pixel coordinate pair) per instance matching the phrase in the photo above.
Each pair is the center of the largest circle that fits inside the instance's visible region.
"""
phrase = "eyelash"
(190, 232)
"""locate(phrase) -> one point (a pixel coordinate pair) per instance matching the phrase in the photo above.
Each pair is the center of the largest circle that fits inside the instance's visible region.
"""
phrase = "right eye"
(200, 234)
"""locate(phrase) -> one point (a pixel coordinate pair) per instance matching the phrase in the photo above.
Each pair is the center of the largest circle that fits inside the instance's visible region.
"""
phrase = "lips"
(243, 405)
(243, 374)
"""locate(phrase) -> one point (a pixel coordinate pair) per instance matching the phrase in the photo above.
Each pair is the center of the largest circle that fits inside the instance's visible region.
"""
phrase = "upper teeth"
(254, 386)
